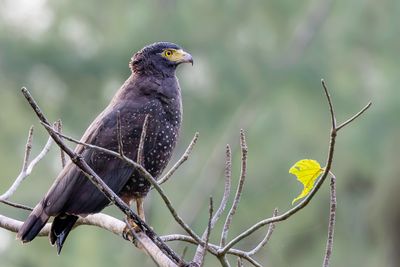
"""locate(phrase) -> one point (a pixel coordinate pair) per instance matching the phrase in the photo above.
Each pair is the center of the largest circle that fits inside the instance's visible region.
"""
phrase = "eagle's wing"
(73, 193)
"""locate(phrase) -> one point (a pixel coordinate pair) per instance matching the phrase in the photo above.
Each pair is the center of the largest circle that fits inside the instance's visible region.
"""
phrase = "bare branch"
(332, 220)
(119, 135)
(101, 220)
(58, 126)
(201, 251)
(26, 166)
(158, 257)
(240, 262)
(140, 159)
(328, 96)
(28, 149)
(354, 117)
(266, 238)
(224, 262)
(15, 205)
(185, 249)
(99, 183)
(184, 157)
(227, 188)
(236, 201)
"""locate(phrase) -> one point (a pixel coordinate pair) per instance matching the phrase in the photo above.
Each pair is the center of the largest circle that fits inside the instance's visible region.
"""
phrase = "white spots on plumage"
(161, 138)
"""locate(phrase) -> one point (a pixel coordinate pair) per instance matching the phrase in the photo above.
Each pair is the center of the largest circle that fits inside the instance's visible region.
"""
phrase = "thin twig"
(227, 187)
(119, 135)
(140, 159)
(101, 185)
(240, 262)
(26, 166)
(332, 220)
(16, 205)
(201, 251)
(73, 140)
(354, 117)
(239, 190)
(185, 249)
(28, 149)
(184, 157)
(328, 96)
(266, 238)
(58, 126)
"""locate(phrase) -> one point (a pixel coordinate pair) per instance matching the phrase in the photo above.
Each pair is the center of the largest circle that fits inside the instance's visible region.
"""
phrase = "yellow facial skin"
(178, 56)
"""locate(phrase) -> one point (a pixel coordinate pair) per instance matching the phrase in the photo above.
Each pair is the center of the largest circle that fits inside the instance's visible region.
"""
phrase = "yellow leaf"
(307, 172)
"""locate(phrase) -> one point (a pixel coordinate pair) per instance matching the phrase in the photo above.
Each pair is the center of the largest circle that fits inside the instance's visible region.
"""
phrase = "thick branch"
(101, 220)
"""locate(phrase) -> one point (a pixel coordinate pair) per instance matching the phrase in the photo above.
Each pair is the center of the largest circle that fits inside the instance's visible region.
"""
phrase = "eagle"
(151, 91)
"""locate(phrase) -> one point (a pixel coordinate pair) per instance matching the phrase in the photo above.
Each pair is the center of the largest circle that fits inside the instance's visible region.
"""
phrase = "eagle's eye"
(168, 53)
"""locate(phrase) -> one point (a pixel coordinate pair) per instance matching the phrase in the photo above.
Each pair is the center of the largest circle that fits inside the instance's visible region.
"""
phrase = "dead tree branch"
(239, 190)
(332, 220)
(26, 166)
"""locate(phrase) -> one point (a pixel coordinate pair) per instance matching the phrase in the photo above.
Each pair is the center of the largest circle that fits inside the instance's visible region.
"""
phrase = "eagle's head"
(159, 58)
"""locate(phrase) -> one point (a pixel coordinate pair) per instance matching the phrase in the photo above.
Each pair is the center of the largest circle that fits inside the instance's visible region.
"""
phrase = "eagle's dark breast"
(161, 135)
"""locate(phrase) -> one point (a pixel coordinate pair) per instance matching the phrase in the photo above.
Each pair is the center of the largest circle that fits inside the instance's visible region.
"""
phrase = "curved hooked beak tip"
(186, 58)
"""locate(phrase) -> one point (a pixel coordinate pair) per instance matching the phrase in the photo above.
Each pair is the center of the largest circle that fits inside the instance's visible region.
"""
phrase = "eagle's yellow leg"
(131, 224)
(140, 208)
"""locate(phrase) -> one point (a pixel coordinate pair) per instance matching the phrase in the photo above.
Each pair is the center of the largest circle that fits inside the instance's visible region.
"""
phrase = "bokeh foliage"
(250, 72)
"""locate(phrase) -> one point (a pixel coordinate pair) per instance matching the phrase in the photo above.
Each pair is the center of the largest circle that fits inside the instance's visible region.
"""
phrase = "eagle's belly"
(161, 137)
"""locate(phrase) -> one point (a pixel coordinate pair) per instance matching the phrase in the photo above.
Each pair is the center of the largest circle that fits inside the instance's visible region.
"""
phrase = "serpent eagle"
(151, 90)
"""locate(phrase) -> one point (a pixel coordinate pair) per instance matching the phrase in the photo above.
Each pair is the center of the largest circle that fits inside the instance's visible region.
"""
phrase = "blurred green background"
(258, 66)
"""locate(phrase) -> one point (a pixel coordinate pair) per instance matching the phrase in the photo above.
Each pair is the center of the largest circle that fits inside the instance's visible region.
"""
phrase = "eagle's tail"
(60, 229)
(33, 224)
